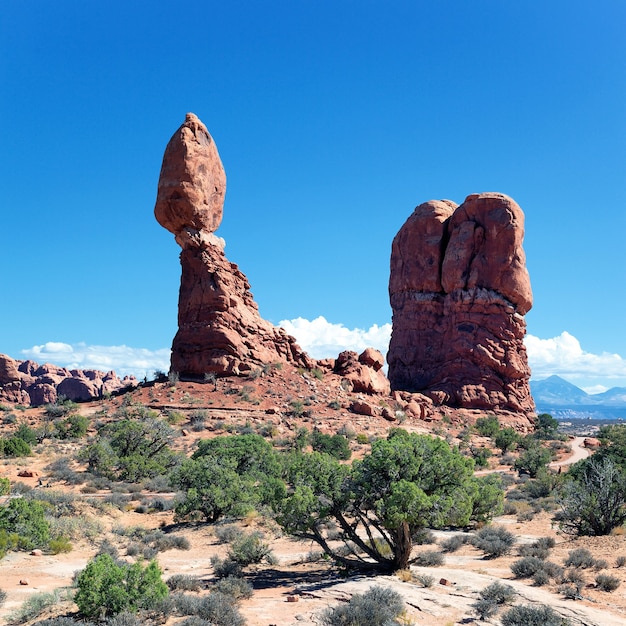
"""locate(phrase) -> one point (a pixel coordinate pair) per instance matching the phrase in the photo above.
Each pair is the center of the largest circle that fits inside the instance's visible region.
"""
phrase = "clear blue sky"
(333, 121)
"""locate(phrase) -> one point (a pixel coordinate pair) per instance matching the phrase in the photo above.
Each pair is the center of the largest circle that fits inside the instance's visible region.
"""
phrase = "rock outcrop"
(28, 383)
(459, 289)
(220, 330)
(363, 371)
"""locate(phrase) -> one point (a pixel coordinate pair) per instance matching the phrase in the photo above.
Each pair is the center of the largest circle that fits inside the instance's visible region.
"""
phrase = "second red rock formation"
(459, 289)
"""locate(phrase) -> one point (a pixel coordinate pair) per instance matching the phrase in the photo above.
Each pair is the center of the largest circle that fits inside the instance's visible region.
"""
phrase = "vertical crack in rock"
(220, 330)
(459, 290)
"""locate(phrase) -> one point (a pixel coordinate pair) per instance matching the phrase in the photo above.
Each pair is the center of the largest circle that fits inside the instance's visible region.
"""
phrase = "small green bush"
(378, 606)
(528, 615)
(26, 519)
(335, 445)
(487, 426)
(60, 545)
(3, 597)
(16, 447)
(105, 586)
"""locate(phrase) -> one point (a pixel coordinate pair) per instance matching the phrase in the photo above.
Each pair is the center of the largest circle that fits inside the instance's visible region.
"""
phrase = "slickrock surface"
(27, 382)
(459, 289)
(220, 330)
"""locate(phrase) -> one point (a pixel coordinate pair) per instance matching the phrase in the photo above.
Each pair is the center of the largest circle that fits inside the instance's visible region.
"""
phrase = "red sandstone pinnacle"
(220, 330)
(459, 289)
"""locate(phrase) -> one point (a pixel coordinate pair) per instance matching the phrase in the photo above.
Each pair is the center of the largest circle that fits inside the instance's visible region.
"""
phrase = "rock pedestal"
(459, 290)
(220, 330)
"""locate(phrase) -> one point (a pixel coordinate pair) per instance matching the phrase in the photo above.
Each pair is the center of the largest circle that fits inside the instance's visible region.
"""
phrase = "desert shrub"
(35, 605)
(533, 460)
(570, 592)
(183, 582)
(423, 536)
(222, 568)
(378, 606)
(336, 445)
(481, 456)
(425, 579)
(526, 567)
(600, 564)
(3, 597)
(576, 578)
(219, 610)
(72, 427)
(620, 561)
(487, 426)
(61, 503)
(195, 621)
(429, 558)
(234, 586)
(593, 500)
(491, 598)
(580, 557)
(26, 433)
(171, 542)
(26, 519)
(60, 545)
(228, 533)
(197, 420)
(248, 549)
(452, 544)
(5, 486)
(61, 621)
(106, 587)
(506, 439)
(14, 447)
(605, 582)
(540, 578)
(126, 618)
(540, 548)
(528, 615)
(494, 541)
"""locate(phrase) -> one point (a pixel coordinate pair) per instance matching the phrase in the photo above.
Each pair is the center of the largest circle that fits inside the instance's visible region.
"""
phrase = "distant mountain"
(555, 390)
(563, 400)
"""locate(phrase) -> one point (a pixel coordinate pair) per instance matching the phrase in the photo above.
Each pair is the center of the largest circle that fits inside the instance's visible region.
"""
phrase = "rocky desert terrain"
(299, 584)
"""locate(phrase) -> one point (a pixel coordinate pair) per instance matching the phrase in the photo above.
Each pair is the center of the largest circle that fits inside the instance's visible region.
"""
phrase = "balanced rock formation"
(220, 330)
(27, 382)
(459, 289)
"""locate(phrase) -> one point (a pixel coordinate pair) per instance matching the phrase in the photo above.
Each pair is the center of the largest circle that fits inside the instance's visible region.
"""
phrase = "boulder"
(459, 290)
(363, 371)
(220, 330)
(8, 370)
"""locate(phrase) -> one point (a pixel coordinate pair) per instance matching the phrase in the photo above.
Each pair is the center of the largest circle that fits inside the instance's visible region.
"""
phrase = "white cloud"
(564, 356)
(323, 339)
(123, 359)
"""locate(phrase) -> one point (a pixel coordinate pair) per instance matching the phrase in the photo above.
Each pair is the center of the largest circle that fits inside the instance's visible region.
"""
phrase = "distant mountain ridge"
(562, 399)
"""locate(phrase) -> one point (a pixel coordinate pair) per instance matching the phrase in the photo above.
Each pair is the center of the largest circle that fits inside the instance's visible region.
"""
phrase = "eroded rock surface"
(459, 289)
(220, 330)
(28, 383)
